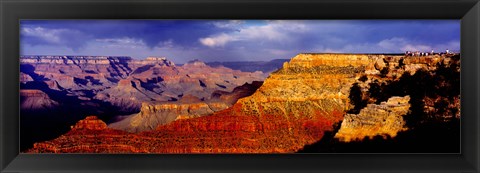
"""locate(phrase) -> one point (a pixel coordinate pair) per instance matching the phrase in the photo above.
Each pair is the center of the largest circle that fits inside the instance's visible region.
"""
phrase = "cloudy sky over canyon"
(234, 40)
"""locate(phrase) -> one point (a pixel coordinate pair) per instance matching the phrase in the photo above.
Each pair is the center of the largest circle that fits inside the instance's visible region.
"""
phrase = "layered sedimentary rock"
(126, 83)
(429, 84)
(25, 77)
(95, 137)
(90, 123)
(385, 119)
(167, 82)
(293, 107)
(153, 114)
(77, 72)
(246, 89)
(111, 87)
(396, 65)
(36, 100)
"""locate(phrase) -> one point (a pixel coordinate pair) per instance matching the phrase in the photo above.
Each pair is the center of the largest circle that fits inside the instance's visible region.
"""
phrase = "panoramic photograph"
(239, 86)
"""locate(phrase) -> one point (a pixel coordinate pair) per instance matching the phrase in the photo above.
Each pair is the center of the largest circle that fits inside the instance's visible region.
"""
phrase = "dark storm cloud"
(151, 32)
(230, 40)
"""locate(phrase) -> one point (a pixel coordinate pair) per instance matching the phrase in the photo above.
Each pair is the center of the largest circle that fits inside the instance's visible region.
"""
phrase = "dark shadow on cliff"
(49, 123)
(429, 138)
(429, 131)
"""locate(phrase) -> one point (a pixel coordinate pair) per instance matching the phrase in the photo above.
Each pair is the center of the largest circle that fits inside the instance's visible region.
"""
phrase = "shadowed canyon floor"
(344, 97)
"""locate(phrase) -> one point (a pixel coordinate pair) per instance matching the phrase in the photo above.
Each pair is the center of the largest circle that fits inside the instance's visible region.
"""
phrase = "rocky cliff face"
(77, 72)
(152, 115)
(93, 136)
(90, 123)
(167, 82)
(126, 83)
(373, 120)
(106, 86)
(36, 100)
(293, 107)
(401, 105)
(309, 83)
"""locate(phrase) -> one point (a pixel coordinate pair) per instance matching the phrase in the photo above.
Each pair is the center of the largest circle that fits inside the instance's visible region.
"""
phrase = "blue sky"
(234, 40)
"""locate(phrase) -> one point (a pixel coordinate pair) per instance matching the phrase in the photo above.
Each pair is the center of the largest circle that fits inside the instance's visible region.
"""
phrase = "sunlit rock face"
(113, 87)
(90, 123)
(153, 114)
(91, 135)
(309, 83)
(385, 119)
(294, 107)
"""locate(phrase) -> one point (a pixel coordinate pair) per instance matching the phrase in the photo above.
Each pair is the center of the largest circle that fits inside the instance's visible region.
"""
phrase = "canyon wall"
(384, 119)
(36, 100)
(57, 91)
(294, 107)
(126, 83)
(153, 114)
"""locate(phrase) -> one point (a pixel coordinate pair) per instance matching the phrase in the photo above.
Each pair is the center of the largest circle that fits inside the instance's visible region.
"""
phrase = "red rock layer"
(293, 108)
(154, 114)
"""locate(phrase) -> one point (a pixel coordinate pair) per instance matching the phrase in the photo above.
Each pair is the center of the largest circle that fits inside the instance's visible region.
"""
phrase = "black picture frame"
(12, 11)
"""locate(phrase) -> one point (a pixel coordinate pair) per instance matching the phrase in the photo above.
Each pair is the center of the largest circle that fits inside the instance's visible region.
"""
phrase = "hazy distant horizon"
(233, 40)
(253, 60)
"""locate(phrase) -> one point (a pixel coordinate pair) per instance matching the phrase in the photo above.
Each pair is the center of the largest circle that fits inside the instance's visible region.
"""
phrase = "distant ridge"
(252, 66)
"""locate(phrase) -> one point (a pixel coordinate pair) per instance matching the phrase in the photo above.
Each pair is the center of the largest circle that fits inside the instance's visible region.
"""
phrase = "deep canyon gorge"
(314, 102)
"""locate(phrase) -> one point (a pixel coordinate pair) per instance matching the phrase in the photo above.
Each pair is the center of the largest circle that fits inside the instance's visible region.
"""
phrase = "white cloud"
(217, 40)
(48, 35)
(271, 31)
(167, 44)
(401, 44)
(124, 42)
(228, 24)
(391, 45)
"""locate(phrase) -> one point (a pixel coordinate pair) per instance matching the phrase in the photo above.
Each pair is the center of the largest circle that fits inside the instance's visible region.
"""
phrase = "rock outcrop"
(152, 115)
(34, 100)
(112, 87)
(385, 119)
(167, 82)
(126, 83)
(93, 136)
(293, 107)
(90, 123)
